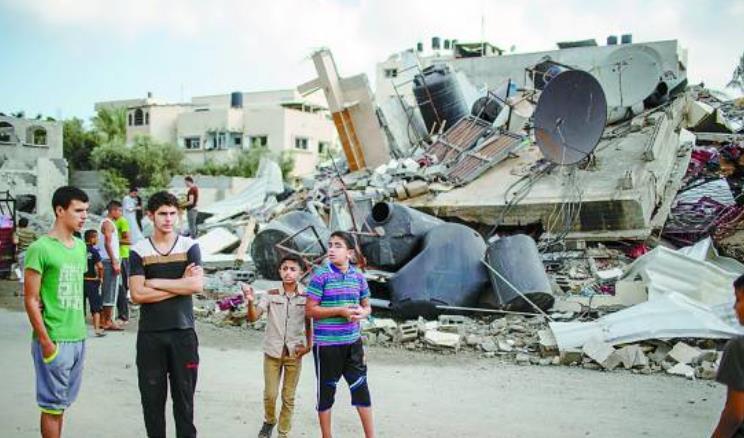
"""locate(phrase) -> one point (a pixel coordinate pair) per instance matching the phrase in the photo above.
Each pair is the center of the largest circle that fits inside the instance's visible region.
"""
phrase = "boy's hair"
(739, 284)
(89, 234)
(189, 179)
(160, 199)
(64, 195)
(112, 205)
(133, 189)
(23, 222)
(346, 237)
(292, 258)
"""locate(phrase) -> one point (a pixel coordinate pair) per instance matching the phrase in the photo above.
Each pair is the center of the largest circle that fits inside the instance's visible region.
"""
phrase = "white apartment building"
(218, 127)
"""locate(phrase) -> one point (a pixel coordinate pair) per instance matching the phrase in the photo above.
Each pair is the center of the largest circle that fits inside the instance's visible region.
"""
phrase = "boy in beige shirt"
(288, 338)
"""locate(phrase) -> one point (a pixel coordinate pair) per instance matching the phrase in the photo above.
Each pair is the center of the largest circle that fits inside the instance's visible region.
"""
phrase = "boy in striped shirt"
(338, 298)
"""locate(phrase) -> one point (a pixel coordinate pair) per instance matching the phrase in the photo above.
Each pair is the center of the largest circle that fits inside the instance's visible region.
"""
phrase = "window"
(147, 118)
(130, 119)
(237, 140)
(259, 141)
(322, 147)
(7, 132)
(221, 141)
(391, 72)
(138, 117)
(36, 135)
(301, 143)
(192, 143)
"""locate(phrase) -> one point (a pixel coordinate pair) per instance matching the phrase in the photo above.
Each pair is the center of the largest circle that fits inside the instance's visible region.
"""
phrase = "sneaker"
(266, 430)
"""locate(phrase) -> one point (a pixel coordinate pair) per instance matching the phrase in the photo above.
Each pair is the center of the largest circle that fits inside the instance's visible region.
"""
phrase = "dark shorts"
(93, 295)
(334, 361)
(58, 377)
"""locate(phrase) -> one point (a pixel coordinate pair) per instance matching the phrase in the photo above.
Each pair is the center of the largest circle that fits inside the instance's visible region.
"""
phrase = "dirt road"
(415, 394)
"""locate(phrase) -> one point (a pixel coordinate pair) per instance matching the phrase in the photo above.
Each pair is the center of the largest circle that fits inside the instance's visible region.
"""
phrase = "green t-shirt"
(122, 226)
(61, 270)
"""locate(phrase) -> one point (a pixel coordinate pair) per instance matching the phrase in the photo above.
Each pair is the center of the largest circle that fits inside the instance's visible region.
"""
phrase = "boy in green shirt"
(54, 269)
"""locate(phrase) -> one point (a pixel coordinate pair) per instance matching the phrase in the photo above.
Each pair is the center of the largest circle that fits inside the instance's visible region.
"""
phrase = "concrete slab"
(634, 175)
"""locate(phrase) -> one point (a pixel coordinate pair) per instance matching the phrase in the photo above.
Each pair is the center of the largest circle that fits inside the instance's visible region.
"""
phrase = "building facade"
(217, 128)
(32, 164)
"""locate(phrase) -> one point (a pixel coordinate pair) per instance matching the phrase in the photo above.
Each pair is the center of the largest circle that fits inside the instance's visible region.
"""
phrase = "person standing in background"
(131, 211)
(24, 236)
(192, 200)
(122, 301)
(108, 247)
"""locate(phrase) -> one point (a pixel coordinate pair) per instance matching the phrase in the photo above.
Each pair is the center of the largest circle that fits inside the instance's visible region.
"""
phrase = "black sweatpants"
(163, 356)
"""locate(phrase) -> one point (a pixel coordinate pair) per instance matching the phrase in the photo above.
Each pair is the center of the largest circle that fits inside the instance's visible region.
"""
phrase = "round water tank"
(264, 252)
(439, 97)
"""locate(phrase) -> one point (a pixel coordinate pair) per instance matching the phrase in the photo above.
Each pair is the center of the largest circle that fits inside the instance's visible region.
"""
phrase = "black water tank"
(236, 99)
(264, 252)
(439, 97)
(626, 38)
(612, 40)
(486, 108)
(545, 71)
(446, 44)
(517, 260)
(447, 271)
(403, 229)
(435, 43)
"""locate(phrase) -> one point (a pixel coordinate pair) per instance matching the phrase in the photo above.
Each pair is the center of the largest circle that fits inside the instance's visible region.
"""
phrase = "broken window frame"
(192, 143)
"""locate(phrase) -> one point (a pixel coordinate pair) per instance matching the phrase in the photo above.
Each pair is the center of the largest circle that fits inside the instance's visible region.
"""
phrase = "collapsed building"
(524, 184)
(32, 164)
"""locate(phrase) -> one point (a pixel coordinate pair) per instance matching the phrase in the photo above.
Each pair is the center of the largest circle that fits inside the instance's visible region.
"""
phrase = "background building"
(218, 127)
(32, 165)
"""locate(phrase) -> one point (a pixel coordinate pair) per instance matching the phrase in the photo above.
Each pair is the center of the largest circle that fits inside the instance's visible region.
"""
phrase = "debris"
(216, 241)
(439, 339)
(682, 370)
(598, 351)
(683, 353)
(632, 356)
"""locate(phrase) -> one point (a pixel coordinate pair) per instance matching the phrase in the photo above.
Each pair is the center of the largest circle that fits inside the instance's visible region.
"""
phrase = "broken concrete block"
(682, 369)
(613, 361)
(571, 356)
(707, 371)
(548, 344)
(385, 324)
(522, 358)
(505, 346)
(458, 329)
(562, 306)
(407, 332)
(436, 338)
(661, 353)
(454, 319)
(705, 356)
(683, 353)
(473, 340)
(488, 345)
(598, 351)
(632, 356)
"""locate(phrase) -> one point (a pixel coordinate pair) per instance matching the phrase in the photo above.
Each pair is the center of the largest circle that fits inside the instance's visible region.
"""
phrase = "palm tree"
(737, 81)
(110, 124)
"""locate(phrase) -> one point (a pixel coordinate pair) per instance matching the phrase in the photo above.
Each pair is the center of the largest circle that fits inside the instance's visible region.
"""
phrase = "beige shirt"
(285, 326)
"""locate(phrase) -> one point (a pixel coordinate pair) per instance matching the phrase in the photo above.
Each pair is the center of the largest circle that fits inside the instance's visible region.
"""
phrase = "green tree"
(246, 164)
(77, 144)
(146, 163)
(110, 124)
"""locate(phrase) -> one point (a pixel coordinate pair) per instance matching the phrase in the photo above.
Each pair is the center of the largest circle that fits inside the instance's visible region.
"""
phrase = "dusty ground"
(415, 394)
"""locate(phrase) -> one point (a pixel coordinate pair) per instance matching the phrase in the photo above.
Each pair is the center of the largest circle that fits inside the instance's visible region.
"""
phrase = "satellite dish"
(570, 117)
(629, 74)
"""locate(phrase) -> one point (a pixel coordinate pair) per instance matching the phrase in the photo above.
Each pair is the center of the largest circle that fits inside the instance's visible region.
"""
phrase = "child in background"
(23, 237)
(92, 281)
(288, 338)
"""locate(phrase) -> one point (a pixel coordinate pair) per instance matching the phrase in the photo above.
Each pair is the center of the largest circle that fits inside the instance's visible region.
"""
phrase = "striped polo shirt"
(333, 288)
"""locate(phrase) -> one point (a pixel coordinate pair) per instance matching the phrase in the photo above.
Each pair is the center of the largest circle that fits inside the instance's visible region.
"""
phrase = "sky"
(59, 57)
